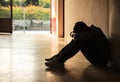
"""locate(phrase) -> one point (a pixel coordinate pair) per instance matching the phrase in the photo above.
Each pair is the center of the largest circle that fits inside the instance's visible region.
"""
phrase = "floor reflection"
(22, 60)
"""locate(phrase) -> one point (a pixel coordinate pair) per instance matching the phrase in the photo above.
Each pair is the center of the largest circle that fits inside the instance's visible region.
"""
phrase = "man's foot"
(54, 63)
(48, 59)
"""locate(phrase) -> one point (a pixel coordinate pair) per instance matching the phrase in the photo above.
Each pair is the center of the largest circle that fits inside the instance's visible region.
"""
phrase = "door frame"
(6, 23)
(57, 22)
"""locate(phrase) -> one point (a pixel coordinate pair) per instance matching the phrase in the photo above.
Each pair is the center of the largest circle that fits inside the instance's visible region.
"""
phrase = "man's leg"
(61, 51)
(67, 52)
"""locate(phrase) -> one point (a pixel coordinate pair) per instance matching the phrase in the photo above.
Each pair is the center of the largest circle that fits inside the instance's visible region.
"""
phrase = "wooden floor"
(22, 60)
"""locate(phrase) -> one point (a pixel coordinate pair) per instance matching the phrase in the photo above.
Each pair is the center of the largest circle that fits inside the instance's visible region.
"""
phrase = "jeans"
(94, 54)
(69, 50)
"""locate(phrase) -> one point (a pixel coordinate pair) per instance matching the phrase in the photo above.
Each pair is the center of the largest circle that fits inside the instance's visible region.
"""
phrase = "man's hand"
(72, 34)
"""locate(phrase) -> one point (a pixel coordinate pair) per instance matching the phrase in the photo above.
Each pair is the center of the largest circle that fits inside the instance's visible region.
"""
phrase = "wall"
(114, 32)
(90, 11)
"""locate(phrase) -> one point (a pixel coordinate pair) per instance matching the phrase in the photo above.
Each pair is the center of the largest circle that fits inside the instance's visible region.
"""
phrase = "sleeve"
(83, 36)
(94, 33)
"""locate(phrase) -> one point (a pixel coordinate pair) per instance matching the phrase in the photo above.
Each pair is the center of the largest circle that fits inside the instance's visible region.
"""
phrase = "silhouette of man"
(90, 40)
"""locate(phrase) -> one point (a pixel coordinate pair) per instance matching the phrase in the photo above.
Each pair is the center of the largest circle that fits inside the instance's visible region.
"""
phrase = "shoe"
(54, 63)
(48, 59)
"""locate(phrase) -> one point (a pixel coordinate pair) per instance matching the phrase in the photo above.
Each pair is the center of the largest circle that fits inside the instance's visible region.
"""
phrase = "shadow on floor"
(94, 74)
(90, 74)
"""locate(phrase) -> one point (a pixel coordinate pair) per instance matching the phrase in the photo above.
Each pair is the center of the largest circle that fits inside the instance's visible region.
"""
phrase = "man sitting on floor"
(90, 40)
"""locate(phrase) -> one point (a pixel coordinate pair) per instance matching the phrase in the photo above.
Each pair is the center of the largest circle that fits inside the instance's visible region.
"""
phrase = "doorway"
(31, 15)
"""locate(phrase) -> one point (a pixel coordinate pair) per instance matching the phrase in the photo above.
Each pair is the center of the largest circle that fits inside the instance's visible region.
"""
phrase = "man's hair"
(79, 26)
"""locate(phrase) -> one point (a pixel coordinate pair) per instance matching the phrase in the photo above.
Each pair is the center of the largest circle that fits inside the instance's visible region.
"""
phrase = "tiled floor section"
(22, 60)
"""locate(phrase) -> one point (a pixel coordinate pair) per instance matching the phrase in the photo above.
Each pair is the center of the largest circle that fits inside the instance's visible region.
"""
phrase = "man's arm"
(91, 34)
(82, 36)
(72, 34)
